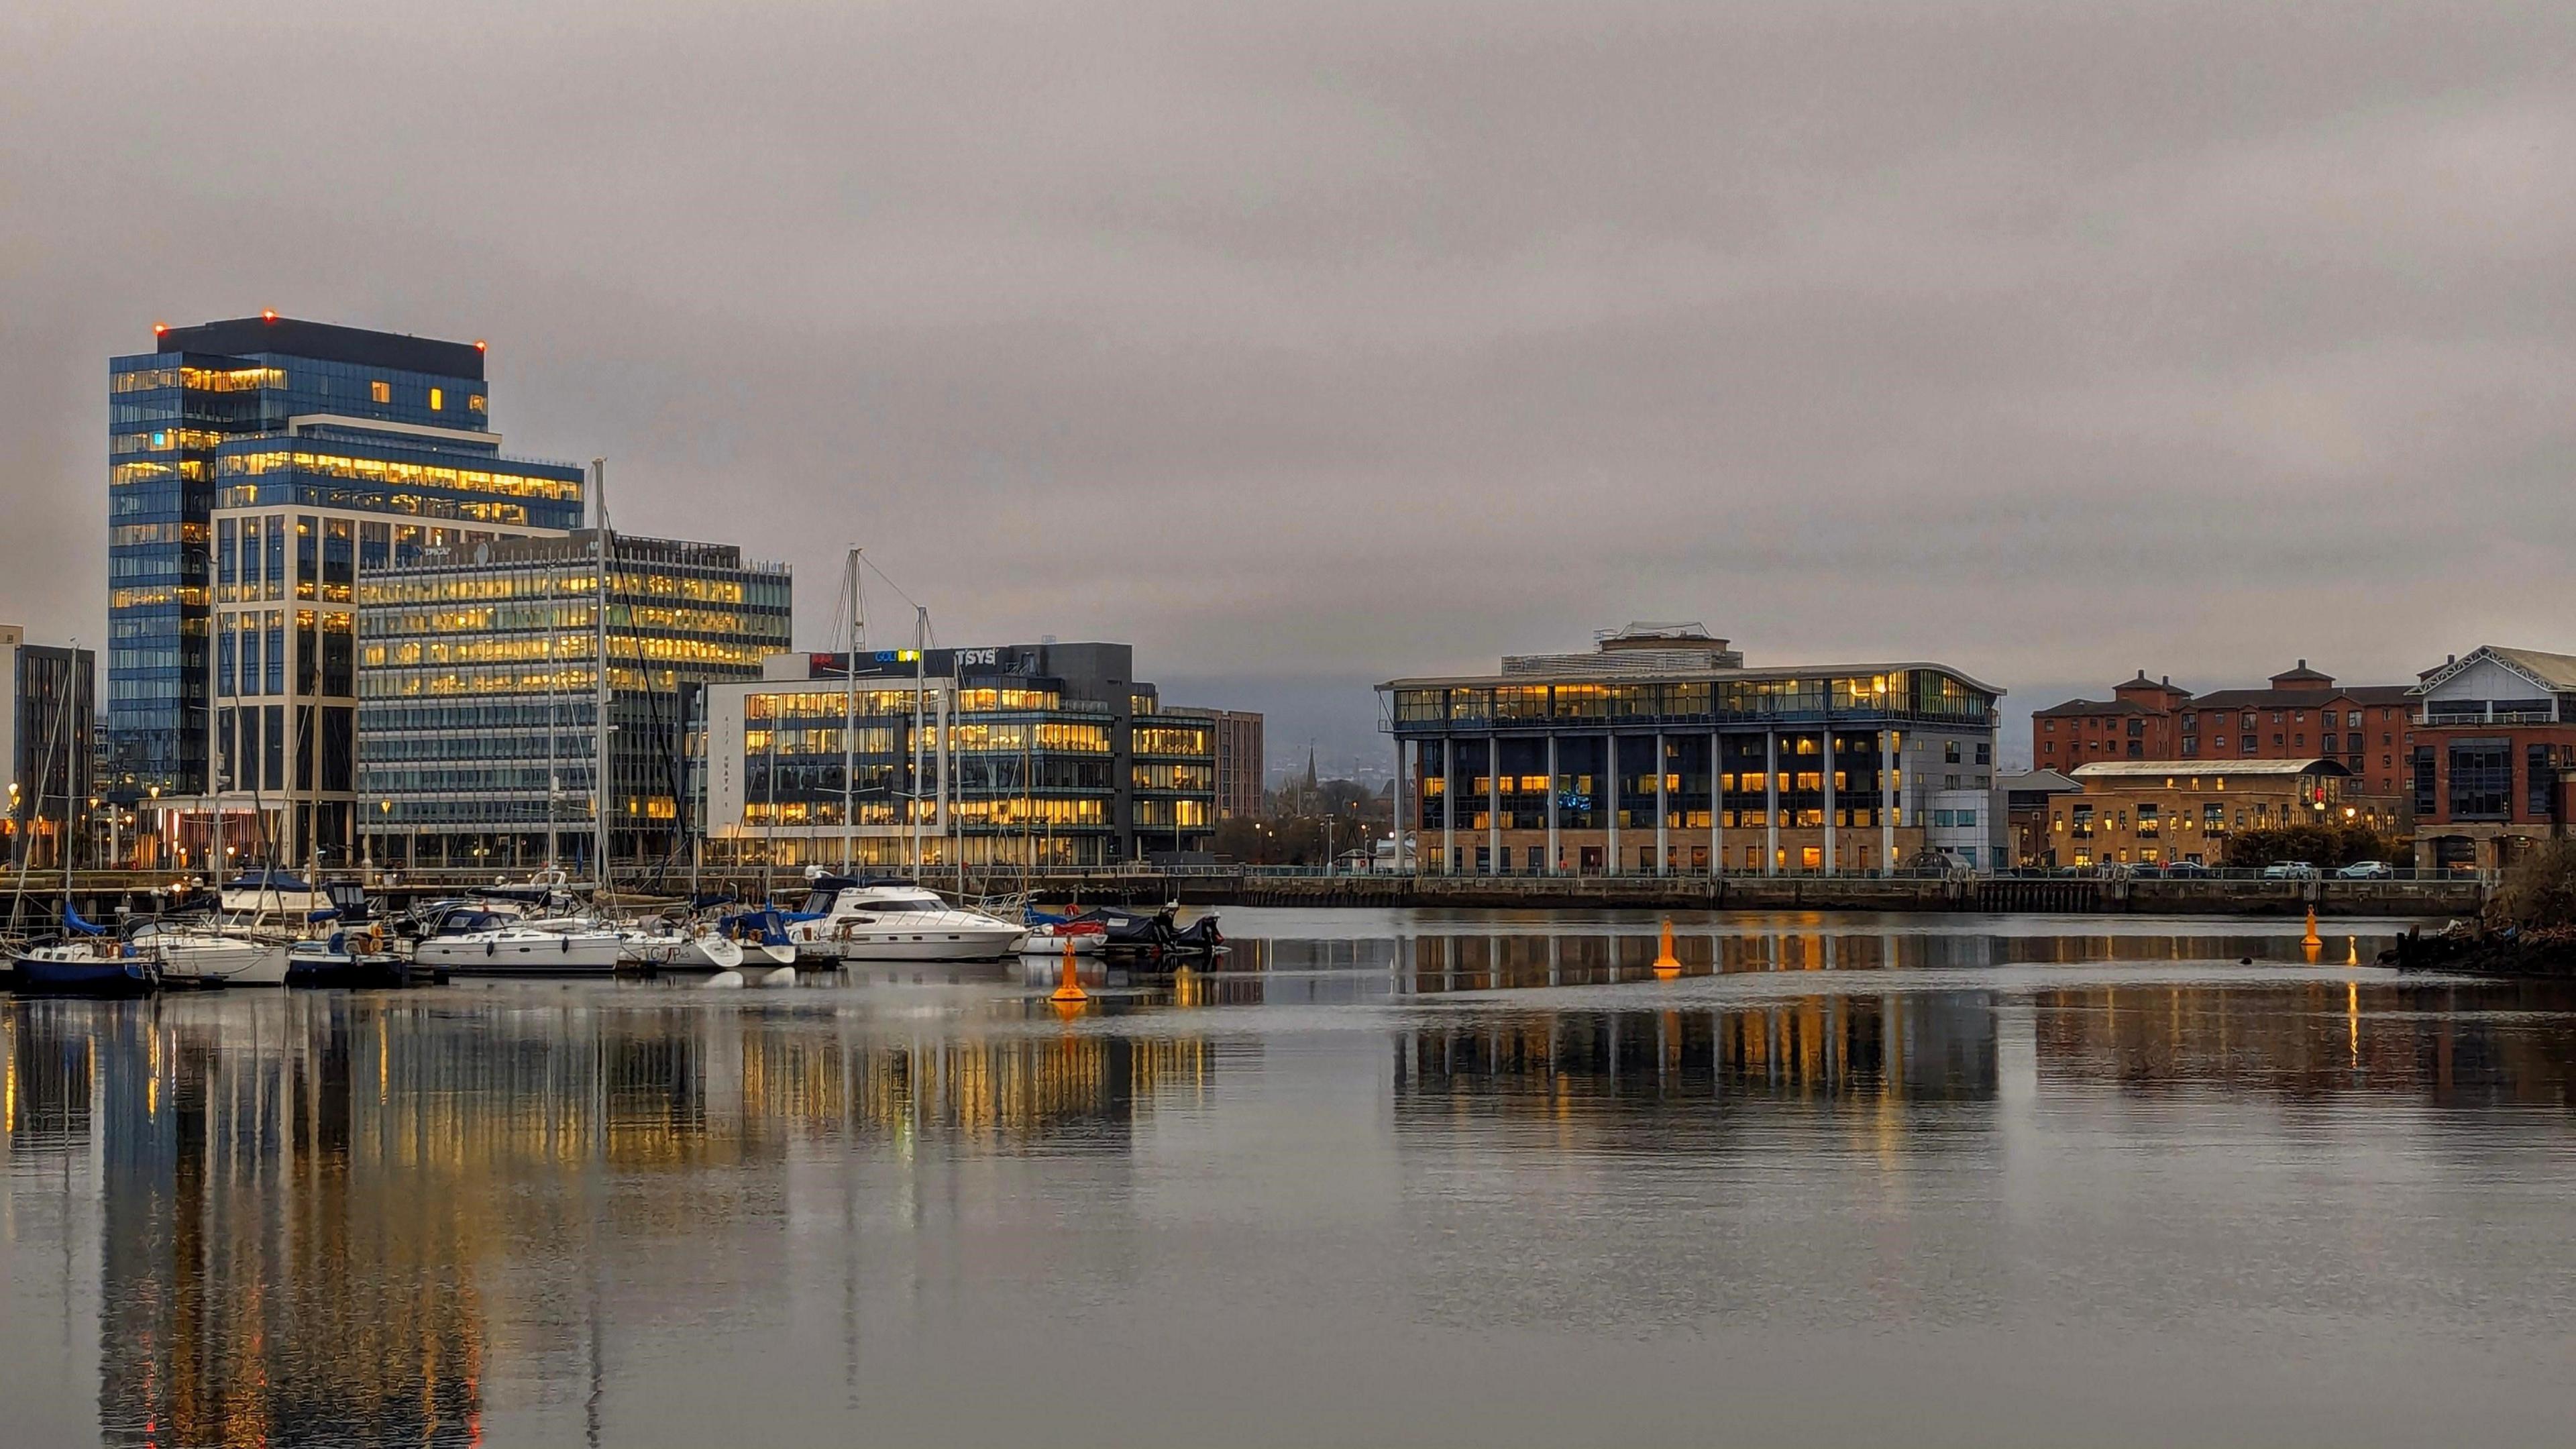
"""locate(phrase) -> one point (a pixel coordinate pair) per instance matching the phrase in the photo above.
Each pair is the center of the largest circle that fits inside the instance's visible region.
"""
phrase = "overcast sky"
(1306, 344)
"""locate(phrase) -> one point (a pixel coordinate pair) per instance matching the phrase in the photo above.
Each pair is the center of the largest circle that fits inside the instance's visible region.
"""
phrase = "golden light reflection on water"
(360, 1211)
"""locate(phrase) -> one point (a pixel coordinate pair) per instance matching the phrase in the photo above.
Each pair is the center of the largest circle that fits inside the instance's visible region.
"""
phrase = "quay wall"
(106, 896)
(2431, 898)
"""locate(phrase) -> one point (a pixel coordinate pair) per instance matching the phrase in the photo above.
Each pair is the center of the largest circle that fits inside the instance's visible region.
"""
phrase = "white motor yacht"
(849, 920)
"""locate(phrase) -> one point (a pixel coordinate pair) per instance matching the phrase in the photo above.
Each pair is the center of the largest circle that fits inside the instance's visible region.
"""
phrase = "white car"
(2367, 870)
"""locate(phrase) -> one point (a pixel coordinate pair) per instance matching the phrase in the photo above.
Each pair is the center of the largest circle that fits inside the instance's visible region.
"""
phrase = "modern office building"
(478, 695)
(1661, 752)
(258, 469)
(47, 745)
(1238, 759)
(2301, 713)
(1022, 754)
(2489, 754)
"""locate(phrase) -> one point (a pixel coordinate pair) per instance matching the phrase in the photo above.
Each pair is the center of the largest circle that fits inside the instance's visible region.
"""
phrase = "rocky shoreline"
(2547, 954)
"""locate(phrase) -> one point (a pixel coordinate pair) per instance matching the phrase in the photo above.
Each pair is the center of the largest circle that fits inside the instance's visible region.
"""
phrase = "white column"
(1771, 801)
(1494, 804)
(1610, 801)
(1552, 787)
(1887, 801)
(1716, 807)
(1829, 798)
(1448, 801)
(1663, 811)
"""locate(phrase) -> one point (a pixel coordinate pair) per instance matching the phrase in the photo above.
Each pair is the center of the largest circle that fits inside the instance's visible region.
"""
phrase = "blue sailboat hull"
(99, 976)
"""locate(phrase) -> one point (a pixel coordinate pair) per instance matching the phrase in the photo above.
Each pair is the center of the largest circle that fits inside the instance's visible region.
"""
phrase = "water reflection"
(463, 1215)
(1929, 1045)
(324, 1218)
(1340, 971)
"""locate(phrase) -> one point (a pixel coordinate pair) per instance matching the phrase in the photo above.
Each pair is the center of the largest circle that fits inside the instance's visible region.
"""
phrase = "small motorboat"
(676, 945)
(1052, 938)
(1148, 933)
(344, 962)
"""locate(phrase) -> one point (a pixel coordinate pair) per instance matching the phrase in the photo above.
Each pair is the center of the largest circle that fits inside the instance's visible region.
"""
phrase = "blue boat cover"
(72, 922)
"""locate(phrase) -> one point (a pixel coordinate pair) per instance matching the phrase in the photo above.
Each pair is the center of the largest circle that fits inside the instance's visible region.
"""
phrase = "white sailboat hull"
(212, 960)
(515, 953)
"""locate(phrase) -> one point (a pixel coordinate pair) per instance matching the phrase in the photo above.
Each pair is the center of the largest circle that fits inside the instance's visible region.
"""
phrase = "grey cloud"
(1328, 341)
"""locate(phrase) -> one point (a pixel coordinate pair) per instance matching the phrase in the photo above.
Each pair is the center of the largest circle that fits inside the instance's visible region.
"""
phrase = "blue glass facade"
(271, 411)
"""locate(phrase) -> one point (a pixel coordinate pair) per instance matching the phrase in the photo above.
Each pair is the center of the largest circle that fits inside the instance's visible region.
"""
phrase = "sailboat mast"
(26, 839)
(850, 726)
(920, 681)
(599, 777)
(71, 767)
(551, 620)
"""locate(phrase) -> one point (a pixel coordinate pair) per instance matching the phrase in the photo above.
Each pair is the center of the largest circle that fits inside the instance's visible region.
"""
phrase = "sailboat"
(86, 961)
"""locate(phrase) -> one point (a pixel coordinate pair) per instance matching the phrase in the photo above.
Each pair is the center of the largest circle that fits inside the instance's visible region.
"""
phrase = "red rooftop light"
(160, 327)
(478, 345)
(268, 314)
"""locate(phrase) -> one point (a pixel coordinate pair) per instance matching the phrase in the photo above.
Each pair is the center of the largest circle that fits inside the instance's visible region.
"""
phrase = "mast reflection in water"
(1452, 1180)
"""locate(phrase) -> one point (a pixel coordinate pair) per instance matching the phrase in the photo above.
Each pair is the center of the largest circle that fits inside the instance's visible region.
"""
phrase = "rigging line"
(889, 583)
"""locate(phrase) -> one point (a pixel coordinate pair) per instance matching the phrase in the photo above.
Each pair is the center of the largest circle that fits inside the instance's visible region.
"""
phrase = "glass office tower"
(257, 468)
(1026, 755)
(478, 670)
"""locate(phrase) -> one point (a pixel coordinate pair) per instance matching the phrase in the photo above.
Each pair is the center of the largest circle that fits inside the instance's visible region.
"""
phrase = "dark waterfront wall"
(2438, 898)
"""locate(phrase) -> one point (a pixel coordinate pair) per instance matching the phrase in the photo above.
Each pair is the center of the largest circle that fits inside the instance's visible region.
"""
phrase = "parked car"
(2367, 870)
(2290, 870)
(2185, 867)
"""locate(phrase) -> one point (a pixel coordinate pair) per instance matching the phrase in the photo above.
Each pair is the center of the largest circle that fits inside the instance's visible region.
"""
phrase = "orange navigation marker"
(1668, 965)
(1070, 992)
(2312, 938)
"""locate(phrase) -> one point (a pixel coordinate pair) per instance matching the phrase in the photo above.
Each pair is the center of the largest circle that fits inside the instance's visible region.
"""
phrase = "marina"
(1476, 1169)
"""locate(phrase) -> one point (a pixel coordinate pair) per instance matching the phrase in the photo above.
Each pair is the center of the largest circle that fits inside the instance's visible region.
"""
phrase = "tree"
(2323, 846)
(2538, 890)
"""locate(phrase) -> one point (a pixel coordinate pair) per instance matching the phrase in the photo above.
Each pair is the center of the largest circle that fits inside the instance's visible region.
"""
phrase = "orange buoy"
(1668, 965)
(1071, 990)
(2312, 938)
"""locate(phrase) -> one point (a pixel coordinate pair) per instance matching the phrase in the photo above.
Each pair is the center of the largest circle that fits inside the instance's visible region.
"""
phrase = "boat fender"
(491, 948)
(567, 945)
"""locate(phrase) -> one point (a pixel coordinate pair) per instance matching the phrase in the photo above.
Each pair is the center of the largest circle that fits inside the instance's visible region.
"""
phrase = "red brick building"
(2135, 723)
(2492, 751)
(2302, 714)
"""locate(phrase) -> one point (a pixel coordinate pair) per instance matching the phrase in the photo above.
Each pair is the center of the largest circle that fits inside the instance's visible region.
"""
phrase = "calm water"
(1438, 1178)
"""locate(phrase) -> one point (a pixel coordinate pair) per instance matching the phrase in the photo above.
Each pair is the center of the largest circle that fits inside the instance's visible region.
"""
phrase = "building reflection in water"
(2445, 1044)
(1342, 972)
(1934, 1046)
(325, 1219)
